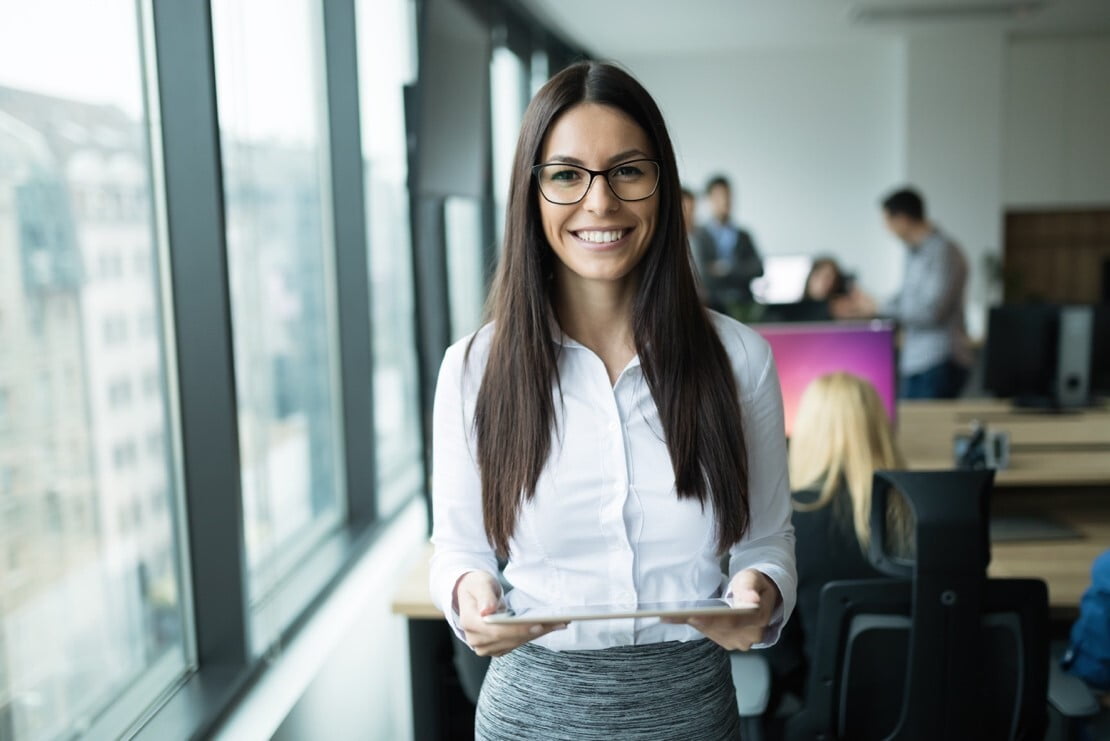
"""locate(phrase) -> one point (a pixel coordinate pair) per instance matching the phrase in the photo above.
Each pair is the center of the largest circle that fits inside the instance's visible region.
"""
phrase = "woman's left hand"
(740, 632)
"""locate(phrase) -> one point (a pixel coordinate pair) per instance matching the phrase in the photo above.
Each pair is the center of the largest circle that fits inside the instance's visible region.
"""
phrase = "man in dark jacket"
(726, 255)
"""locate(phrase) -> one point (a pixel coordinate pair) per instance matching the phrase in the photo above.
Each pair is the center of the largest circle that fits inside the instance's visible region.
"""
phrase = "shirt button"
(614, 426)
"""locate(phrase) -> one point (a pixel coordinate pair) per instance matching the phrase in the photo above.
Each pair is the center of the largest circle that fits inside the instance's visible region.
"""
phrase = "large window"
(538, 72)
(185, 427)
(508, 98)
(462, 219)
(387, 62)
(272, 117)
(93, 605)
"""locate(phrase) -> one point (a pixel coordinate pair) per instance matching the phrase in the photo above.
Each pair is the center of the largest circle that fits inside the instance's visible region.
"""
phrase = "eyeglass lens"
(566, 184)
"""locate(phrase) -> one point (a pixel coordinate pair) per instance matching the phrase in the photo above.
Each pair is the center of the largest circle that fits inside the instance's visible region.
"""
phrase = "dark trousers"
(942, 381)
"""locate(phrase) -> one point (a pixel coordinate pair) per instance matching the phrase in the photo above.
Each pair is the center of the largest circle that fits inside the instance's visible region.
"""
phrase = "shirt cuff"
(446, 593)
(785, 605)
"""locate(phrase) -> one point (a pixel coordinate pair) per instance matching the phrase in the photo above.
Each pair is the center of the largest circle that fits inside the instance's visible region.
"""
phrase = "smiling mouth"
(601, 237)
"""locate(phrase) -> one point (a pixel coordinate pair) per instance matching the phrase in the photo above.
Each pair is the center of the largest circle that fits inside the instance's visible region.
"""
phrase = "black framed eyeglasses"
(564, 184)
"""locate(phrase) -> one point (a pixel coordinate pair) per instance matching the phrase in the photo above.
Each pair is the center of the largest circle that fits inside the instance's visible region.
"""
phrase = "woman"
(826, 281)
(610, 439)
(841, 437)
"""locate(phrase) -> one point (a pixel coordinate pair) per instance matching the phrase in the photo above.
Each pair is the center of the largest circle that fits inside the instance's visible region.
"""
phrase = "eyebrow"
(615, 159)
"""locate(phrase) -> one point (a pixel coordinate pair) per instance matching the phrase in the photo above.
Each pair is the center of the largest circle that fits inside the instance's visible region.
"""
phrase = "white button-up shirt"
(605, 524)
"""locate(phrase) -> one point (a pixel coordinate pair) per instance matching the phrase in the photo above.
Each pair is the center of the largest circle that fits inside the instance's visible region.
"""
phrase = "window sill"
(206, 697)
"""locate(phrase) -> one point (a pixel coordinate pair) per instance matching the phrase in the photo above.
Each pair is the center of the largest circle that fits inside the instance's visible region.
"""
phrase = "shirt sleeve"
(931, 292)
(458, 534)
(749, 265)
(769, 544)
(889, 308)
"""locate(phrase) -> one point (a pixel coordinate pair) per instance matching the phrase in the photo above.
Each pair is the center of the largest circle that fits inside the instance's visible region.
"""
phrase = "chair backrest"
(938, 651)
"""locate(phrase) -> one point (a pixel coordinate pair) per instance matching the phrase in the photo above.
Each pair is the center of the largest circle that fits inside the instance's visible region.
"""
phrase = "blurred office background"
(236, 237)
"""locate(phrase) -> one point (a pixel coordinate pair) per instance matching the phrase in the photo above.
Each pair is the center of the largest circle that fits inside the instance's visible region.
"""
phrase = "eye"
(563, 175)
(627, 172)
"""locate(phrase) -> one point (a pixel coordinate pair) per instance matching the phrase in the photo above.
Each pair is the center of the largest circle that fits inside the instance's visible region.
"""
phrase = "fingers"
(729, 636)
(733, 632)
(748, 580)
(480, 595)
(498, 640)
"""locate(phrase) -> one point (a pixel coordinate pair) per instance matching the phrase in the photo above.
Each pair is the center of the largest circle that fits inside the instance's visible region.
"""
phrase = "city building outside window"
(93, 616)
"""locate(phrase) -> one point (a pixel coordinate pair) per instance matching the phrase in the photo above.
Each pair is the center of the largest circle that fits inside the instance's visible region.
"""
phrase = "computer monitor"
(1048, 355)
(1100, 350)
(1021, 350)
(804, 352)
(783, 280)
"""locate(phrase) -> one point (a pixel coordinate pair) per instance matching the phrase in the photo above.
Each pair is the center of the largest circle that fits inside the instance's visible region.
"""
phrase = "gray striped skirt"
(657, 691)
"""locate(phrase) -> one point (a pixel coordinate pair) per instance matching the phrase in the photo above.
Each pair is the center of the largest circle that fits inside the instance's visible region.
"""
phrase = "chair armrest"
(1069, 694)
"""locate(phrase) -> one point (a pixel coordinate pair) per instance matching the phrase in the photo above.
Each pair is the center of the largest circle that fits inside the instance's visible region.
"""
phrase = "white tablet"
(565, 613)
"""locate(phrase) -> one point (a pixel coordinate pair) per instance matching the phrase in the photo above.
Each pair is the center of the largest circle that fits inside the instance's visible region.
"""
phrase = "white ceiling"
(636, 28)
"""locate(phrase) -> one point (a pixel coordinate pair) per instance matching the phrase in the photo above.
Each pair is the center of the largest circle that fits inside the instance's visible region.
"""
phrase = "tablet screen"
(564, 613)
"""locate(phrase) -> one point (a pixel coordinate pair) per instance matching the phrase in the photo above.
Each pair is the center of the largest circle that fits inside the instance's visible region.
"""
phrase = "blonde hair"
(841, 436)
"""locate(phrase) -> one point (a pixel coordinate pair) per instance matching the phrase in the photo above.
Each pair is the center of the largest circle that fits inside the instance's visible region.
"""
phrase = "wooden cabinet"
(1059, 256)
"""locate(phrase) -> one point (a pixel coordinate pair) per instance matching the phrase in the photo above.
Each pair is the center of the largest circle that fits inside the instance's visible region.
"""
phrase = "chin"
(589, 270)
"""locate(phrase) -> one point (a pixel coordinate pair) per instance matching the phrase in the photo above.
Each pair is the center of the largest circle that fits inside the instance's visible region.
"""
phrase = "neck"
(598, 314)
(919, 232)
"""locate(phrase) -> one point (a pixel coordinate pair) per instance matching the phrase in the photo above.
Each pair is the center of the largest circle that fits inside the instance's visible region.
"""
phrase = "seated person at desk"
(841, 436)
(825, 283)
(830, 294)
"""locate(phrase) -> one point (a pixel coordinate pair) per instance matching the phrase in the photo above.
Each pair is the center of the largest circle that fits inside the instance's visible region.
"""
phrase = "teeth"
(601, 237)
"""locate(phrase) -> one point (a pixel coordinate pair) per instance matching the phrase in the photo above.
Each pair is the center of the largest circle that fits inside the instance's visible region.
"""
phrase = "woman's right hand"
(478, 594)
(854, 305)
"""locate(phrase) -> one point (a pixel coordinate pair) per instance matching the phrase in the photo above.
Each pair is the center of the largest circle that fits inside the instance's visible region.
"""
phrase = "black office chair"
(938, 651)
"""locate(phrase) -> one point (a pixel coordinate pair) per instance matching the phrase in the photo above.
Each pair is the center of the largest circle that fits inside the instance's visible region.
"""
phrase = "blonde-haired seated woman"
(841, 436)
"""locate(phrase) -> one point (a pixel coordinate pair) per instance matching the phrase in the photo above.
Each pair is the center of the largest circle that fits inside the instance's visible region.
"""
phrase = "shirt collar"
(916, 246)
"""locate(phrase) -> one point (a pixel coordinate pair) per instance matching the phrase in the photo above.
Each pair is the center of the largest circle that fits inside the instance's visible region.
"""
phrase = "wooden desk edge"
(412, 599)
(417, 610)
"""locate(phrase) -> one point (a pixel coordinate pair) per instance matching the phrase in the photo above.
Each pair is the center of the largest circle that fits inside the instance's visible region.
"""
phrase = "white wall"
(1057, 136)
(814, 136)
(811, 139)
(954, 117)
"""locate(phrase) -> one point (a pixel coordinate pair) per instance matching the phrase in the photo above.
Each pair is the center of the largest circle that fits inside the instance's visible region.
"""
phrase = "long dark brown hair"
(686, 367)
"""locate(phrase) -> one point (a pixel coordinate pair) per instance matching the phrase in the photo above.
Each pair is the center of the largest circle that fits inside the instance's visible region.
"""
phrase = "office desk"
(439, 709)
(1064, 564)
(1060, 467)
(412, 599)
(1046, 449)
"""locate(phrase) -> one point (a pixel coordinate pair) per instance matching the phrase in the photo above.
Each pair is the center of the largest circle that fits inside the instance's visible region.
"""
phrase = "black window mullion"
(202, 325)
(352, 279)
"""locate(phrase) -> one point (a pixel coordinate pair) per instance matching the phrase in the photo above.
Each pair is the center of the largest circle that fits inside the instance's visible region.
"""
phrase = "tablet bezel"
(542, 615)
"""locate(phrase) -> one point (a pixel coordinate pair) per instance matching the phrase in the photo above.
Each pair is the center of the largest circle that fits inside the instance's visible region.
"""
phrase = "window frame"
(231, 640)
(231, 636)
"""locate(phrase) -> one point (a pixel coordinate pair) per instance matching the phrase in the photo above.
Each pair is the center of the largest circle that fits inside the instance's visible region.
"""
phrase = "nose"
(599, 198)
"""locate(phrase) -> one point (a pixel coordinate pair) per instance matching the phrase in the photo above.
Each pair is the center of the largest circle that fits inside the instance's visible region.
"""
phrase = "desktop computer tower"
(1073, 358)
(1047, 355)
